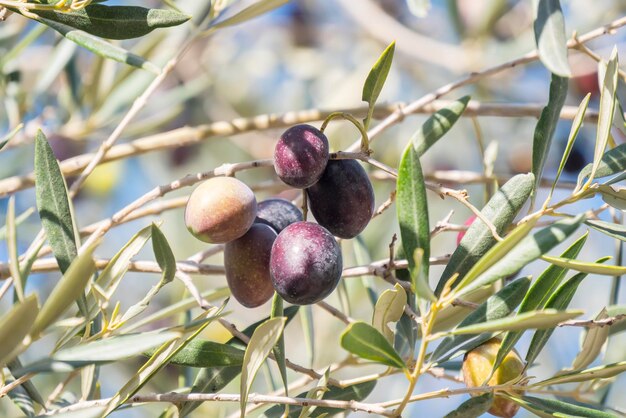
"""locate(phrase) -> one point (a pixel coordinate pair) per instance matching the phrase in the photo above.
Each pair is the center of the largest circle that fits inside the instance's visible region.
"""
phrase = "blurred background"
(305, 55)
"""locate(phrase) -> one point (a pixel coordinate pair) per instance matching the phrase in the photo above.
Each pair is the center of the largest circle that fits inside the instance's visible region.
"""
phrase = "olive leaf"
(365, 341)
(375, 81)
(438, 124)
(389, 308)
(549, 28)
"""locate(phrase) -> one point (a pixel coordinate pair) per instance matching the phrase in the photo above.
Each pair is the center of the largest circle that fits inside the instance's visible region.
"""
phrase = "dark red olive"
(342, 201)
(277, 213)
(305, 264)
(301, 155)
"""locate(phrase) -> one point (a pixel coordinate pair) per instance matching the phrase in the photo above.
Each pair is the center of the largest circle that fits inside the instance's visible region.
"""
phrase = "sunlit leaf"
(473, 407)
(15, 325)
(500, 210)
(611, 229)
(600, 372)
(594, 340)
(365, 341)
(389, 308)
(53, 203)
(375, 81)
(613, 162)
(438, 124)
(261, 344)
(544, 131)
(542, 319)
(549, 26)
(257, 9)
(554, 408)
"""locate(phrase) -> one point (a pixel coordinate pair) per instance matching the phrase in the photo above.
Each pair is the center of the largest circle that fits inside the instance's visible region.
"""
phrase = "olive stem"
(365, 142)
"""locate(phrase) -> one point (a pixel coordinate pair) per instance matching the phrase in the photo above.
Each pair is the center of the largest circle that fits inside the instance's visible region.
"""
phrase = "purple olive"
(305, 264)
(220, 209)
(301, 155)
(277, 213)
(247, 264)
(342, 201)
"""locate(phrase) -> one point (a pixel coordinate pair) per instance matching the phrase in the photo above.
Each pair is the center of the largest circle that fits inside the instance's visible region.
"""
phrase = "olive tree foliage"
(413, 321)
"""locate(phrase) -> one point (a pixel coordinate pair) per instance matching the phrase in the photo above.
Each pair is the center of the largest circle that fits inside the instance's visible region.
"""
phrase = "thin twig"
(594, 323)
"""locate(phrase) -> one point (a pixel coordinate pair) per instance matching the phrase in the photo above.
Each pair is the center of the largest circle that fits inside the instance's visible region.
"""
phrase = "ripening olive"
(220, 209)
(247, 264)
(305, 264)
(301, 155)
(477, 366)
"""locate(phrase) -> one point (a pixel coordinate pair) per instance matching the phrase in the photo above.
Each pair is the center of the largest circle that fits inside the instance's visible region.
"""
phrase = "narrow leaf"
(259, 8)
(473, 407)
(613, 230)
(606, 112)
(115, 22)
(547, 318)
(261, 343)
(614, 197)
(70, 287)
(613, 162)
(202, 353)
(498, 306)
(538, 295)
(14, 264)
(529, 249)
(594, 340)
(573, 134)
(53, 203)
(600, 372)
(412, 210)
(438, 124)
(559, 300)
(389, 308)
(544, 131)
(554, 408)
(375, 81)
(101, 47)
(279, 349)
(15, 326)
(99, 352)
(501, 209)
(584, 267)
(366, 342)
(549, 29)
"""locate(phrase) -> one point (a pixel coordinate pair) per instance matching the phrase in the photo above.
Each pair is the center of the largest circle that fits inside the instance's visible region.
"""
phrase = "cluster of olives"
(268, 245)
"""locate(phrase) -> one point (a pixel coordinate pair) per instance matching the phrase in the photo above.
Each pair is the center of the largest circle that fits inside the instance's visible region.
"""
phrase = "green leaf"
(116, 22)
(584, 267)
(166, 261)
(619, 326)
(542, 288)
(101, 47)
(53, 203)
(559, 300)
(261, 343)
(498, 306)
(600, 372)
(549, 29)
(99, 352)
(203, 353)
(412, 210)
(606, 112)
(159, 360)
(15, 326)
(573, 134)
(375, 81)
(613, 161)
(473, 407)
(594, 340)
(279, 349)
(366, 342)
(613, 230)
(554, 408)
(544, 131)
(542, 319)
(14, 263)
(68, 289)
(351, 393)
(501, 209)
(529, 249)
(437, 125)
(5, 139)
(20, 398)
(614, 197)
(315, 393)
(389, 308)
(259, 8)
